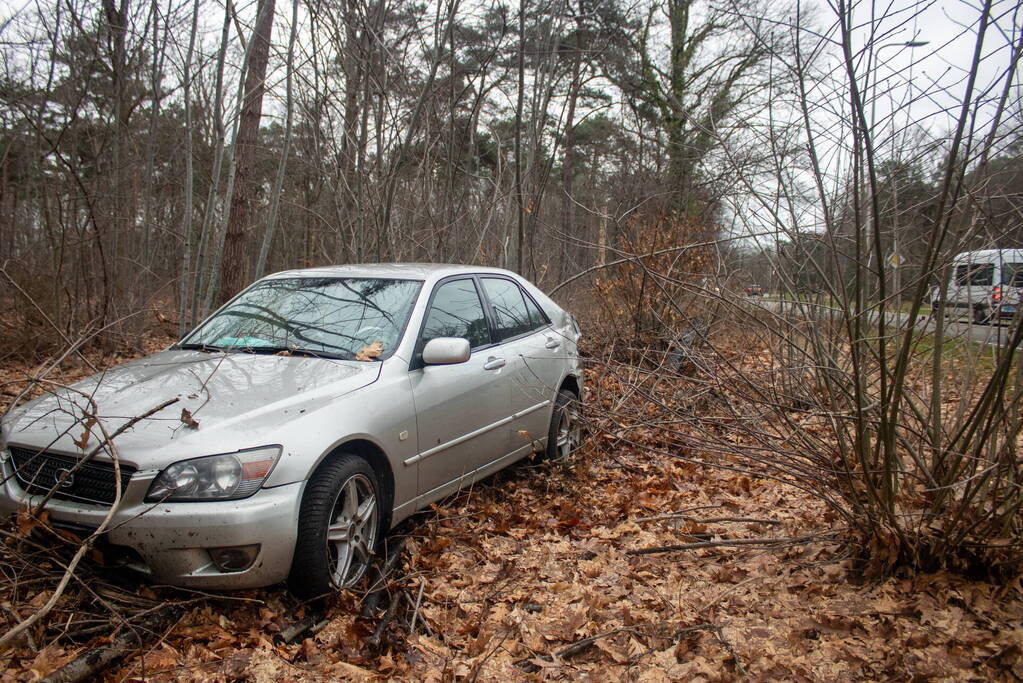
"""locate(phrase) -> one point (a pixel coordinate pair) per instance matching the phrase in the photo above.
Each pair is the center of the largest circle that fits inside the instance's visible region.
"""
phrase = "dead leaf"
(26, 522)
(186, 417)
(524, 434)
(49, 659)
(83, 440)
(370, 352)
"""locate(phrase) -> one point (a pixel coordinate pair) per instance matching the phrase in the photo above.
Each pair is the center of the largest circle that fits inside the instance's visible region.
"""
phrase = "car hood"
(237, 400)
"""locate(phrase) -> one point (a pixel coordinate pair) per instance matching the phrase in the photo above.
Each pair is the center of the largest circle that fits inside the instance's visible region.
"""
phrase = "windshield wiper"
(208, 348)
(290, 351)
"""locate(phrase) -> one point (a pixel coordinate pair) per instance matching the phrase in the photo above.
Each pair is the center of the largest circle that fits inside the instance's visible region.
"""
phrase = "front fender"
(382, 414)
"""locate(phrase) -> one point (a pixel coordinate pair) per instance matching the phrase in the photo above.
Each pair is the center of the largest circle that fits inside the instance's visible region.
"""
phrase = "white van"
(985, 285)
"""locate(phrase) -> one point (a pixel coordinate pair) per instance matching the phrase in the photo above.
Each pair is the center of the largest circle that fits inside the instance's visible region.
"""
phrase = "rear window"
(1012, 274)
(975, 274)
(510, 312)
(536, 316)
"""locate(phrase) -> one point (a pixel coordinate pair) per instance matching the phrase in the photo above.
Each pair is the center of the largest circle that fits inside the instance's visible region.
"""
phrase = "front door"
(463, 410)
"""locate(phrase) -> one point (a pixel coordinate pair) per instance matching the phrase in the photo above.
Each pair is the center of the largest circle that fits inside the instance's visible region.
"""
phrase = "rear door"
(462, 410)
(537, 352)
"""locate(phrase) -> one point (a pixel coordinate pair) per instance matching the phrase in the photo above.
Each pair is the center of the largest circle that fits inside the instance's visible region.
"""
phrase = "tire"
(565, 432)
(336, 537)
(981, 316)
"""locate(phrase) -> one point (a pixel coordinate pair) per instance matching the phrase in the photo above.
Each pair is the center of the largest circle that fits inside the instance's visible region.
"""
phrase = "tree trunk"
(520, 237)
(121, 212)
(568, 162)
(275, 198)
(203, 257)
(355, 58)
(184, 282)
(234, 265)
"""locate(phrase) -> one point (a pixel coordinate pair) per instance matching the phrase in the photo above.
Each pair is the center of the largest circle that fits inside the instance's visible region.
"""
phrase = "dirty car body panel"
(241, 414)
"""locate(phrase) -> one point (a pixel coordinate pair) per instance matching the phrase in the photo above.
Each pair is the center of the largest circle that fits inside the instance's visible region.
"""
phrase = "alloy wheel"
(352, 531)
(569, 432)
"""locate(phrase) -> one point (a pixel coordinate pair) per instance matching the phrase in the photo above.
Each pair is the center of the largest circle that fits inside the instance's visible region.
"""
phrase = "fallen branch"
(530, 666)
(95, 660)
(578, 646)
(764, 542)
(627, 468)
(709, 520)
(379, 585)
(378, 633)
(86, 544)
(311, 624)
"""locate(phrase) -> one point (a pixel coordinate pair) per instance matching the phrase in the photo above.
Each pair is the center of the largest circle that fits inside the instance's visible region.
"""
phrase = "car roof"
(402, 271)
(989, 254)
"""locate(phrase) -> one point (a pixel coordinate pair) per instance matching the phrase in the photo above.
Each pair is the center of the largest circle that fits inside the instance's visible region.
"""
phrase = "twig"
(580, 645)
(379, 587)
(769, 542)
(569, 650)
(627, 468)
(392, 609)
(94, 418)
(731, 650)
(17, 620)
(40, 311)
(710, 520)
(680, 513)
(87, 543)
(415, 611)
(130, 423)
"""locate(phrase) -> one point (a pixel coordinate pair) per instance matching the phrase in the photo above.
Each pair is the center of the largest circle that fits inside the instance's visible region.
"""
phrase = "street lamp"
(895, 260)
(874, 56)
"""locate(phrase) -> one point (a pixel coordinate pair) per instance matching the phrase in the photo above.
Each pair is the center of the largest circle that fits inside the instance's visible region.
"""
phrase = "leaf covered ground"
(529, 576)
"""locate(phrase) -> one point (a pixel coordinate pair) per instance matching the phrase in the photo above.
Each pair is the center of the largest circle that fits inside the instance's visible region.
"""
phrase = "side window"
(456, 311)
(536, 316)
(975, 274)
(511, 314)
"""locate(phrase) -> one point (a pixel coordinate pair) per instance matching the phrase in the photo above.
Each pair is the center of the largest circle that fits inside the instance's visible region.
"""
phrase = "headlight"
(216, 477)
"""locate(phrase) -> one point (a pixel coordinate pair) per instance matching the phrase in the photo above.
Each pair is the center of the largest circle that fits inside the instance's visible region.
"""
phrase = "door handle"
(493, 363)
(552, 344)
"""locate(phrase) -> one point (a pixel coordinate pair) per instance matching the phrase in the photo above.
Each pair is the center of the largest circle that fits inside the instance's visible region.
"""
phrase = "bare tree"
(241, 213)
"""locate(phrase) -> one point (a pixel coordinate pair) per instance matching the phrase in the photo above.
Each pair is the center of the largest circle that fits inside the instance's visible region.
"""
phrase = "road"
(962, 328)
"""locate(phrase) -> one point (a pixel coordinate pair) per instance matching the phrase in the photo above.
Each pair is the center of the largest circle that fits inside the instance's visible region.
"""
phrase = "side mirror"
(446, 351)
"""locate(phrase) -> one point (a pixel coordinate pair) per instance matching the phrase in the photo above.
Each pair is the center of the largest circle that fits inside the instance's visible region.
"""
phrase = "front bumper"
(172, 539)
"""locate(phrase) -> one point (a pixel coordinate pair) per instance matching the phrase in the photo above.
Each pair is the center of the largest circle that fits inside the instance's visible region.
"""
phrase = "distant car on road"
(293, 428)
(754, 290)
(985, 286)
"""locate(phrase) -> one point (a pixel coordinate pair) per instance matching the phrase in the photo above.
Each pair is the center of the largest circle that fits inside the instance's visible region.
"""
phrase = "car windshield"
(331, 317)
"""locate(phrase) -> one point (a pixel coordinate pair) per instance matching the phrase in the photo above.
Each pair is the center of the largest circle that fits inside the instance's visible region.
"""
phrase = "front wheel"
(338, 526)
(565, 433)
(981, 315)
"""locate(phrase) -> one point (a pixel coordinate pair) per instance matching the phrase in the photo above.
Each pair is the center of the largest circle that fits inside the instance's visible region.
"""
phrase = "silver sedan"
(292, 429)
